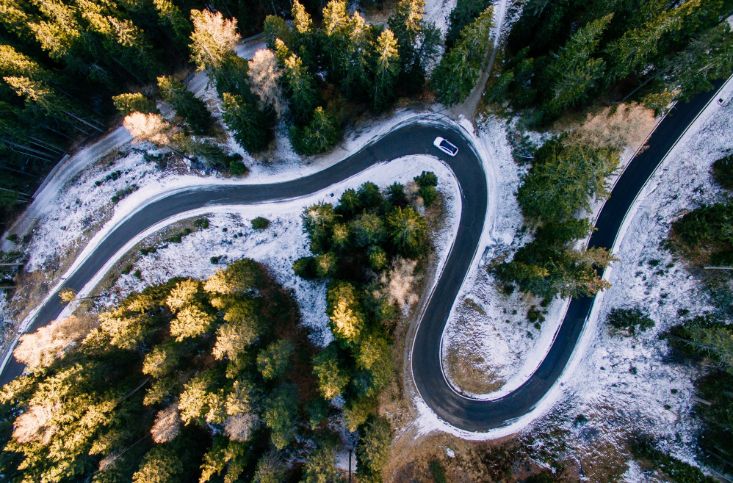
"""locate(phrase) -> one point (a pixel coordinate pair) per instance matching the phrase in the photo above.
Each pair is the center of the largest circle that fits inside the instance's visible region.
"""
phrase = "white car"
(723, 101)
(446, 146)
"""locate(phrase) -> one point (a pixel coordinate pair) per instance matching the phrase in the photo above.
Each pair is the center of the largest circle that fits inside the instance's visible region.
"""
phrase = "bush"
(723, 172)
(319, 135)
(201, 223)
(260, 223)
(702, 235)
(133, 102)
(305, 267)
(426, 178)
(629, 321)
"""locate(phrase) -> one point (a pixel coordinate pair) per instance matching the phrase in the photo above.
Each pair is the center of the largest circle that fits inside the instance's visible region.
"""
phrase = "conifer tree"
(385, 69)
(213, 37)
(575, 73)
(460, 68)
(252, 126)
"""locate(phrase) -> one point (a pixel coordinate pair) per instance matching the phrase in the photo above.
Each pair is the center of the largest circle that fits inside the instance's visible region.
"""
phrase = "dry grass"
(466, 371)
(617, 127)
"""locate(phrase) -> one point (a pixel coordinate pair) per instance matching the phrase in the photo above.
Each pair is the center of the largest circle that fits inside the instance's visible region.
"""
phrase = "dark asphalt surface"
(466, 414)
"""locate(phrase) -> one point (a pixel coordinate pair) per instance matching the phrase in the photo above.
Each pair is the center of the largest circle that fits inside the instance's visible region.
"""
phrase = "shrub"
(260, 223)
(629, 321)
(201, 223)
(723, 172)
(305, 267)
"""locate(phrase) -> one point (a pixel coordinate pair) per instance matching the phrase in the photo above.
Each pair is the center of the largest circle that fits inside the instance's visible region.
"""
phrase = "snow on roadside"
(489, 332)
(85, 202)
(231, 236)
(438, 12)
(628, 381)
(620, 386)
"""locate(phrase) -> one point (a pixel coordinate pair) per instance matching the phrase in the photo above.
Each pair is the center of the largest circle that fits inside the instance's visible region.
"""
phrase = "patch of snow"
(438, 13)
(231, 236)
(630, 378)
(639, 394)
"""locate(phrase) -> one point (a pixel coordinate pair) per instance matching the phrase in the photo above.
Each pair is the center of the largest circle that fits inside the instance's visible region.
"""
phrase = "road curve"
(416, 138)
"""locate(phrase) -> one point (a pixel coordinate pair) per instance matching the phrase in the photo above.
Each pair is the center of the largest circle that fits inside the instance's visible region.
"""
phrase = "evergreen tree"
(416, 41)
(407, 232)
(460, 68)
(213, 37)
(189, 107)
(133, 102)
(563, 177)
(707, 58)
(385, 69)
(253, 128)
(574, 74)
(331, 378)
(344, 311)
(280, 415)
(463, 14)
(300, 86)
(273, 360)
(373, 449)
(319, 135)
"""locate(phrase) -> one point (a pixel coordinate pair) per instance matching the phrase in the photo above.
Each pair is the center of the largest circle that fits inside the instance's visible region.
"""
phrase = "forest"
(566, 55)
(189, 380)
(216, 380)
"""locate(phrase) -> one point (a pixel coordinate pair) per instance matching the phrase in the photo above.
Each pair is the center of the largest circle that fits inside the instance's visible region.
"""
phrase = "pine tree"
(563, 177)
(273, 360)
(319, 135)
(707, 58)
(130, 102)
(407, 232)
(347, 319)
(373, 449)
(463, 14)
(300, 86)
(280, 415)
(416, 41)
(460, 68)
(574, 73)
(385, 68)
(213, 37)
(172, 17)
(332, 380)
(189, 107)
(253, 128)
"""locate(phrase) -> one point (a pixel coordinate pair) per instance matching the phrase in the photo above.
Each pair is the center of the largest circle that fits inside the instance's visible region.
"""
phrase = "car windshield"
(445, 144)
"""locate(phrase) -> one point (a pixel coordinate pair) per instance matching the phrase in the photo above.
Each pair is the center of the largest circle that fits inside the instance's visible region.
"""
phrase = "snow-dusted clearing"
(231, 236)
(620, 386)
(626, 382)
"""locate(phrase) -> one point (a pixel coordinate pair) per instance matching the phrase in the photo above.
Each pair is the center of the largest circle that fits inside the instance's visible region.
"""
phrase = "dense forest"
(216, 380)
(565, 55)
(62, 61)
(66, 66)
(190, 380)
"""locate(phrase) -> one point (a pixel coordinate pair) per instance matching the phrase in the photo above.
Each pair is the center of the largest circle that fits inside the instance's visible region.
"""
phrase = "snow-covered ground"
(489, 332)
(618, 386)
(231, 237)
(438, 11)
(626, 382)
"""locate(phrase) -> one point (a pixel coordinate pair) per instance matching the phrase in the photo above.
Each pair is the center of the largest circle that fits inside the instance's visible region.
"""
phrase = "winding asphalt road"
(417, 138)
